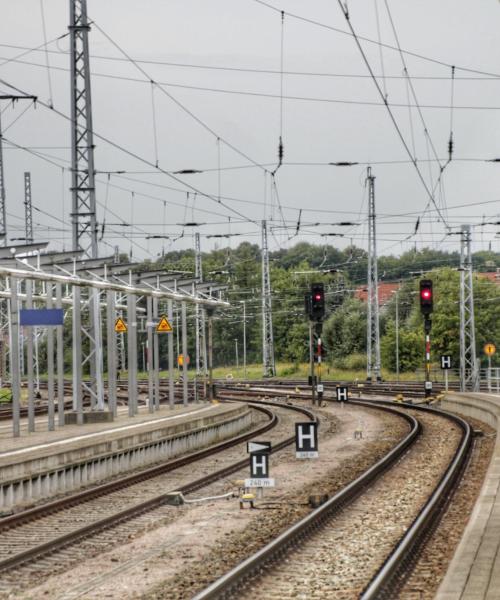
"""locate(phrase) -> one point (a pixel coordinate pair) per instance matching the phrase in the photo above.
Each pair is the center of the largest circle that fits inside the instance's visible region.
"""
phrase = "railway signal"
(426, 297)
(426, 308)
(317, 311)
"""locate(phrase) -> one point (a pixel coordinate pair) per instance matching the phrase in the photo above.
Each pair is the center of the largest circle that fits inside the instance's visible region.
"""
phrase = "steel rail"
(397, 566)
(43, 510)
(306, 526)
(136, 510)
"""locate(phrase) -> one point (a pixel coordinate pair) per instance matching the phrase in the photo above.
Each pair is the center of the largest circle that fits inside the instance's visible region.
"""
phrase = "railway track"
(331, 551)
(46, 537)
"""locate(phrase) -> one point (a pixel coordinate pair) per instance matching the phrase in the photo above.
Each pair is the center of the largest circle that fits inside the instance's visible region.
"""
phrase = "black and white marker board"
(259, 471)
(306, 440)
(342, 392)
(258, 447)
(445, 361)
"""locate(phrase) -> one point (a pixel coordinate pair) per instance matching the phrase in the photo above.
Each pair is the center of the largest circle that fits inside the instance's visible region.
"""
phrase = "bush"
(352, 362)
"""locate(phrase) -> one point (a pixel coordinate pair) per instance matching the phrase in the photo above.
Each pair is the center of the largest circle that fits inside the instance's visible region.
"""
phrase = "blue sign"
(41, 316)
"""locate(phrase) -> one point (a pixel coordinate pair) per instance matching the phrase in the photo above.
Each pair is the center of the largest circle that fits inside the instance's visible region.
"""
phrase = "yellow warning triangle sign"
(120, 325)
(164, 326)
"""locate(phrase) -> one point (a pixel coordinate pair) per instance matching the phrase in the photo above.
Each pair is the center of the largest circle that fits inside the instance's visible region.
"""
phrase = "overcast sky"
(331, 112)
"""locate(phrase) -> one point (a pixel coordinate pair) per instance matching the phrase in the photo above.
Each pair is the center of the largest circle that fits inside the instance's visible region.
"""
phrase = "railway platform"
(474, 572)
(43, 464)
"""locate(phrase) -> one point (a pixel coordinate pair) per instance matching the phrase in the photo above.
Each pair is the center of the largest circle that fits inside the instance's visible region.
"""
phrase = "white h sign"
(259, 466)
(445, 361)
(306, 440)
(342, 393)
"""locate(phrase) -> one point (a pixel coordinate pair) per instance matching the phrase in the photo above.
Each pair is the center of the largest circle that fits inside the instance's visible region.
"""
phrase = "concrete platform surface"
(43, 464)
(474, 572)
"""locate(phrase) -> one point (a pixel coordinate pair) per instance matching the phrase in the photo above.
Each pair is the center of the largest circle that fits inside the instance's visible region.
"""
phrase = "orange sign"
(163, 325)
(489, 349)
(120, 326)
(180, 360)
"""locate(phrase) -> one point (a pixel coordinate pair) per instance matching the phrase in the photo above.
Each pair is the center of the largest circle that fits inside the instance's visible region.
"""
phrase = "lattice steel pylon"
(469, 371)
(83, 215)
(201, 342)
(373, 327)
(3, 222)
(28, 209)
(267, 314)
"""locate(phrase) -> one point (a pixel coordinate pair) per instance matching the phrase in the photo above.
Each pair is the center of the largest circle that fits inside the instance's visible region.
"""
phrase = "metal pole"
(15, 374)
(397, 335)
(489, 374)
(236, 354)
(29, 360)
(184, 354)
(149, 319)
(210, 357)
(156, 356)
(50, 365)
(96, 342)
(171, 389)
(77, 355)
(244, 339)
(446, 380)
(132, 354)
(60, 360)
(111, 336)
(311, 362)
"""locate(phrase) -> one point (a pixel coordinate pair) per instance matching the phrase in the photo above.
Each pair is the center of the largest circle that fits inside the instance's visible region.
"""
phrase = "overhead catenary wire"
(398, 130)
(172, 98)
(49, 79)
(486, 77)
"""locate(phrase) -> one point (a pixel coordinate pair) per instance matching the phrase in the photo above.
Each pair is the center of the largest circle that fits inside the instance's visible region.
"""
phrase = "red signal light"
(317, 297)
(426, 294)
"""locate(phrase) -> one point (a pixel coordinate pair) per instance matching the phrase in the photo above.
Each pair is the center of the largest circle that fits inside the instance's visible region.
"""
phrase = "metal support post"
(428, 382)
(373, 367)
(29, 361)
(82, 144)
(132, 354)
(28, 209)
(15, 374)
(469, 371)
(211, 395)
(171, 367)
(184, 354)
(311, 363)
(244, 339)
(149, 319)
(397, 335)
(77, 355)
(156, 356)
(60, 360)
(50, 365)
(201, 345)
(489, 374)
(96, 348)
(267, 313)
(446, 380)
(112, 365)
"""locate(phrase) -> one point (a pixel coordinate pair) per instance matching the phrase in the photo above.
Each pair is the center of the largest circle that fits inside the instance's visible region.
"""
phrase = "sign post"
(342, 393)
(259, 472)
(489, 350)
(445, 366)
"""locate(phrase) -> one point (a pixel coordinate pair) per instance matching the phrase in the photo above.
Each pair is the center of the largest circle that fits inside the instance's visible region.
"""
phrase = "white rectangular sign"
(259, 483)
(306, 454)
(320, 388)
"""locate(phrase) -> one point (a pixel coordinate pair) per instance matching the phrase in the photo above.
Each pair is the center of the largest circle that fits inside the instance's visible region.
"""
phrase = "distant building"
(385, 292)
